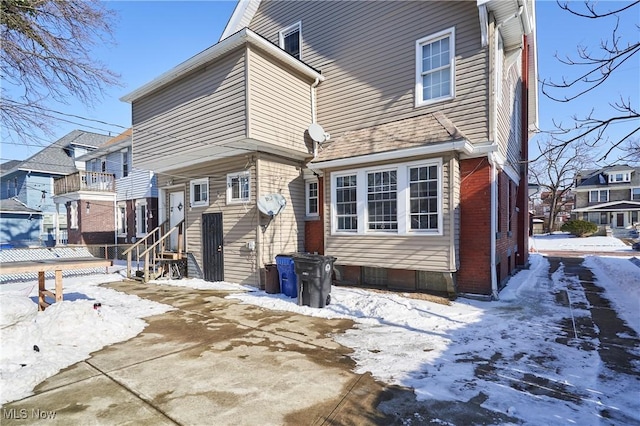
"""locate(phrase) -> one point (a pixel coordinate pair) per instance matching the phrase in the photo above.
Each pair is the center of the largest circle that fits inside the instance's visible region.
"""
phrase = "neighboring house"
(608, 197)
(109, 201)
(565, 204)
(31, 181)
(397, 133)
(20, 226)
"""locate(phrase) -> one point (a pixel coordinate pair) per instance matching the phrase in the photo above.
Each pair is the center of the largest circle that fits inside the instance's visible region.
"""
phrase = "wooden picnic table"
(51, 265)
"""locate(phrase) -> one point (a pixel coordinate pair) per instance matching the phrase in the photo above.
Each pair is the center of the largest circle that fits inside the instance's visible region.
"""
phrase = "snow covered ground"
(444, 351)
(566, 242)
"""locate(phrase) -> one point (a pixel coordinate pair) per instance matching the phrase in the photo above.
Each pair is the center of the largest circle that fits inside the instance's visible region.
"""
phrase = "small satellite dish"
(317, 133)
(271, 204)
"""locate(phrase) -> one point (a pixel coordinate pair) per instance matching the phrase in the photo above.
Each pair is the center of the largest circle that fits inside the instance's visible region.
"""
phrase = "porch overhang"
(436, 148)
(613, 206)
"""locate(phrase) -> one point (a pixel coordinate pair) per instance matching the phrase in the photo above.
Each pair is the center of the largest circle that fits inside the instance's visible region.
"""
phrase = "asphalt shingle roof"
(12, 205)
(408, 133)
(599, 177)
(55, 158)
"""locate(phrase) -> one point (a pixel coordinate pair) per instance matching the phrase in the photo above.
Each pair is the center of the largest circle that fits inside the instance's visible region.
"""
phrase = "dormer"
(619, 174)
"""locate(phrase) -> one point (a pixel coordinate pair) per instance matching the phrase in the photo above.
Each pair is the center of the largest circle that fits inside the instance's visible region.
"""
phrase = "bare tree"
(554, 172)
(594, 69)
(46, 56)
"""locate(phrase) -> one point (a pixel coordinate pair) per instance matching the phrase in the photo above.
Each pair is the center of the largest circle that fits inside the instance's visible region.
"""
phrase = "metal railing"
(85, 181)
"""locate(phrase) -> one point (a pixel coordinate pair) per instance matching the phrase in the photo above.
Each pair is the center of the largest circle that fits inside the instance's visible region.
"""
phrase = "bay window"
(400, 199)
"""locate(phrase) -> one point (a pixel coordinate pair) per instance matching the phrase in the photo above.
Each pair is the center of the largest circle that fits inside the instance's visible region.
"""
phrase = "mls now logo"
(23, 413)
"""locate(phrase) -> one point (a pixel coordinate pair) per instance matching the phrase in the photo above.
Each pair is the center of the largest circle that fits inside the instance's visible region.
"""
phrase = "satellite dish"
(317, 133)
(271, 204)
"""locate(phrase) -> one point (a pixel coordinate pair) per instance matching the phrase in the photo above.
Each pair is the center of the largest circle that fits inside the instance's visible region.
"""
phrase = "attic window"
(620, 177)
(291, 39)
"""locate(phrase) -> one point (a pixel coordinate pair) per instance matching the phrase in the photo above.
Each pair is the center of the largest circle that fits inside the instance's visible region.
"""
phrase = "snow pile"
(621, 279)
(36, 345)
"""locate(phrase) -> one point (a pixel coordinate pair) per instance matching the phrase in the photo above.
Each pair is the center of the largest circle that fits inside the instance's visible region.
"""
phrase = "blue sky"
(154, 36)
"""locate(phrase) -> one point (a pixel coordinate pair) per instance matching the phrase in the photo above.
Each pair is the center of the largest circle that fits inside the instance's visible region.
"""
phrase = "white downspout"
(494, 211)
(314, 117)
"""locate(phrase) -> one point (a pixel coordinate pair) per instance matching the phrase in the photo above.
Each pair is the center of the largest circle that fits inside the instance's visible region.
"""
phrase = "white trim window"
(122, 219)
(382, 200)
(599, 196)
(141, 218)
(435, 67)
(312, 198)
(238, 187)
(619, 177)
(635, 194)
(125, 163)
(399, 199)
(290, 40)
(345, 203)
(199, 193)
(424, 197)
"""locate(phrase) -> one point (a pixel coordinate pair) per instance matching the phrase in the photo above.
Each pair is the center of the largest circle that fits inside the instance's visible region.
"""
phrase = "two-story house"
(31, 182)
(109, 201)
(608, 197)
(396, 132)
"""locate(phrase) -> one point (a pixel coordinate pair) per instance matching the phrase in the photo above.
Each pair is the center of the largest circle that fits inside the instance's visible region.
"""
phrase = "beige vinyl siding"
(239, 220)
(424, 252)
(279, 103)
(285, 233)
(205, 107)
(508, 137)
(370, 75)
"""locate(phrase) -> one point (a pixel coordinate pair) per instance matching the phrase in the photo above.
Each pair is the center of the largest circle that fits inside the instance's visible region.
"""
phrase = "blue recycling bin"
(287, 275)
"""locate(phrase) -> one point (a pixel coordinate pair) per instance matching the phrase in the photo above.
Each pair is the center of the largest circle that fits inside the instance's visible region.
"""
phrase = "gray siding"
(427, 253)
(279, 104)
(139, 184)
(205, 107)
(370, 75)
(285, 233)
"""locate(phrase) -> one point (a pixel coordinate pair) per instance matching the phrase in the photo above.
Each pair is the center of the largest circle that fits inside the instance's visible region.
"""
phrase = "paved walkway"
(215, 361)
(211, 361)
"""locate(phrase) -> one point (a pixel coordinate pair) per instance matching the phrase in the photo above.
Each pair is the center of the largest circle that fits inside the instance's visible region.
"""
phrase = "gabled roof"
(13, 205)
(396, 136)
(597, 177)
(123, 140)
(56, 158)
(517, 18)
(216, 51)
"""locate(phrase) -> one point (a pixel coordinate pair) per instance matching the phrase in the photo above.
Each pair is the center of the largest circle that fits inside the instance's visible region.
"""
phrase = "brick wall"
(474, 275)
(96, 225)
(314, 228)
(506, 238)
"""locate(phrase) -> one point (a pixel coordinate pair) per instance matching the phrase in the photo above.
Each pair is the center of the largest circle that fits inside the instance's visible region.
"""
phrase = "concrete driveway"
(211, 361)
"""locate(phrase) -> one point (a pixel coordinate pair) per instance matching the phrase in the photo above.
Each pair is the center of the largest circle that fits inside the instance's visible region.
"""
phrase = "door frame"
(212, 246)
(173, 240)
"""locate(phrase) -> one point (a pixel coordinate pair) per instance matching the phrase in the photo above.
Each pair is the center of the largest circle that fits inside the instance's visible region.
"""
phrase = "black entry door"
(212, 250)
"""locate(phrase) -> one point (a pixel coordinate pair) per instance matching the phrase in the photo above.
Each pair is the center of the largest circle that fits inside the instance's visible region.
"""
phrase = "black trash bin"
(314, 279)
